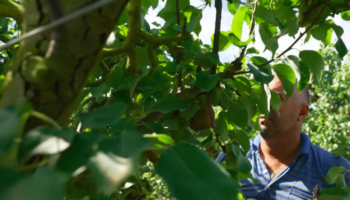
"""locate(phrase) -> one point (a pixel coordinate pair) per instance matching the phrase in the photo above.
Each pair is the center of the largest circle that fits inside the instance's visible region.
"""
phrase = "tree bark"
(51, 70)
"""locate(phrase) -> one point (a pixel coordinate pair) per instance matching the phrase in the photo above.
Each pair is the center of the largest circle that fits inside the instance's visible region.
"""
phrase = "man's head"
(292, 112)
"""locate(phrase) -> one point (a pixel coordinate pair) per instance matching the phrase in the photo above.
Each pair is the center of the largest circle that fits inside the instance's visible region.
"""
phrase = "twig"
(58, 22)
(45, 118)
(244, 72)
(178, 56)
(218, 6)
(300, 36)
(229, 74)
(113, 52)
(223, 148)
(252, 27)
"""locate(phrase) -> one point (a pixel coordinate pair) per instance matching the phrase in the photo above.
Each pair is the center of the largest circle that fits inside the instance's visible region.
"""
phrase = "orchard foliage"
(84, 119)
(328, 121)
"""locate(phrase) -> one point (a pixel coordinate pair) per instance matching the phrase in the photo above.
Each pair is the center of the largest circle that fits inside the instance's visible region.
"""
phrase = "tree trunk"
(50, 70)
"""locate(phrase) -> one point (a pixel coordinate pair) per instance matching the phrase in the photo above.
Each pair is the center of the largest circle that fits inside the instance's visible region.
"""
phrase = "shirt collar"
(305, 144)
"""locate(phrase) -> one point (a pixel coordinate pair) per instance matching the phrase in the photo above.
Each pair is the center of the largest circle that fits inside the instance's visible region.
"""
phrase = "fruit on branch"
(204, 117)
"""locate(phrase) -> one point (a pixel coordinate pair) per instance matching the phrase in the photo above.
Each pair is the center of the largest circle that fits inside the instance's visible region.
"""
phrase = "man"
(284, 161)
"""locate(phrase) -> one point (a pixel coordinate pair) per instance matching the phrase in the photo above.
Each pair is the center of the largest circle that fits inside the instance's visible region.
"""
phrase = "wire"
(56, 23)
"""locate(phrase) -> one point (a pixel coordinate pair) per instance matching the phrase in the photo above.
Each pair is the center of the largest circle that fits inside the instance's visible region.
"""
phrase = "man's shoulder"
(327, 157)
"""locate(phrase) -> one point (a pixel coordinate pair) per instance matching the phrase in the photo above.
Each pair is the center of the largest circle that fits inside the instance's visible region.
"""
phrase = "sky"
(208, 22)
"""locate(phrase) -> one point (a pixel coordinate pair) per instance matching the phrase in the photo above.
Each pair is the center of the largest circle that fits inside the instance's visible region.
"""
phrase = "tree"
(82, 119)
(330, 112)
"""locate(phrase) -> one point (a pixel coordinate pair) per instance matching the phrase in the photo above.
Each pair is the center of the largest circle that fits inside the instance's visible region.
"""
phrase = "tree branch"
(218, 6)
(229, 74)
(150, 40)
(210, 99)
(108, 52)
(252, 27)
(133, 35)
(300, 36)
(178, 56)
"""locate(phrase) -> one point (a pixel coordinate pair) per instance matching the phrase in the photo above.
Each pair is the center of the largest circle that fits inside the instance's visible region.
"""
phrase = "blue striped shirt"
(296, 181)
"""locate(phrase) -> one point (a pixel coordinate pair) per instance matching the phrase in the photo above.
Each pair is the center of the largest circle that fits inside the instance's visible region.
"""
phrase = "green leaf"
(220, 124)
(335, 192)
(234, 40)
(115, 77)
(260, 73)
(294, 63)
(242, 138)
(252, 50)
(237, 22)
(79, 152)
(160, 139)
(275, 101)
(127, 144)
(261, 99)
(224, 43)
(341, 48)
(99, 90)
(42, 185)
(305, 76)
(103, 116)
(340, 150)
(285, 14)
(243, 85)
(188, 136)
(206, 60)
(266, 33)
(243, 164)
(258, 60)
(345, 15)
(206, 81)
(10, 126)
(323, 33)
(45, 140)
(232, 7)
(226, 100)
(148, 3)
(237, 114)
(250, 104)
(142, 56)
(314, 61)
(328, 196)
(287, 77)
(194, 24)
(170, 103)
(185, 170)
(167, 13)
(190, 111)
(116, 158)
(4, 25)
(263, 15)
(9, 177)
(110, 171)
(333, 173)
(271, 43)
(339, 31)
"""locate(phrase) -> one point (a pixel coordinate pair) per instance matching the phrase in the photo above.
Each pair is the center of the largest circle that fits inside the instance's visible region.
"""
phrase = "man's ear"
(304, 111)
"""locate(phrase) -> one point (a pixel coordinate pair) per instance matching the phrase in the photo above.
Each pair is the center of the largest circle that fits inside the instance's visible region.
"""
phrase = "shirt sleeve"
(221, 157)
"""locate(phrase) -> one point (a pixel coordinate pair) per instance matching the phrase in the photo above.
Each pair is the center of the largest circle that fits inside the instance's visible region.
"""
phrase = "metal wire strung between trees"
(56, 23)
